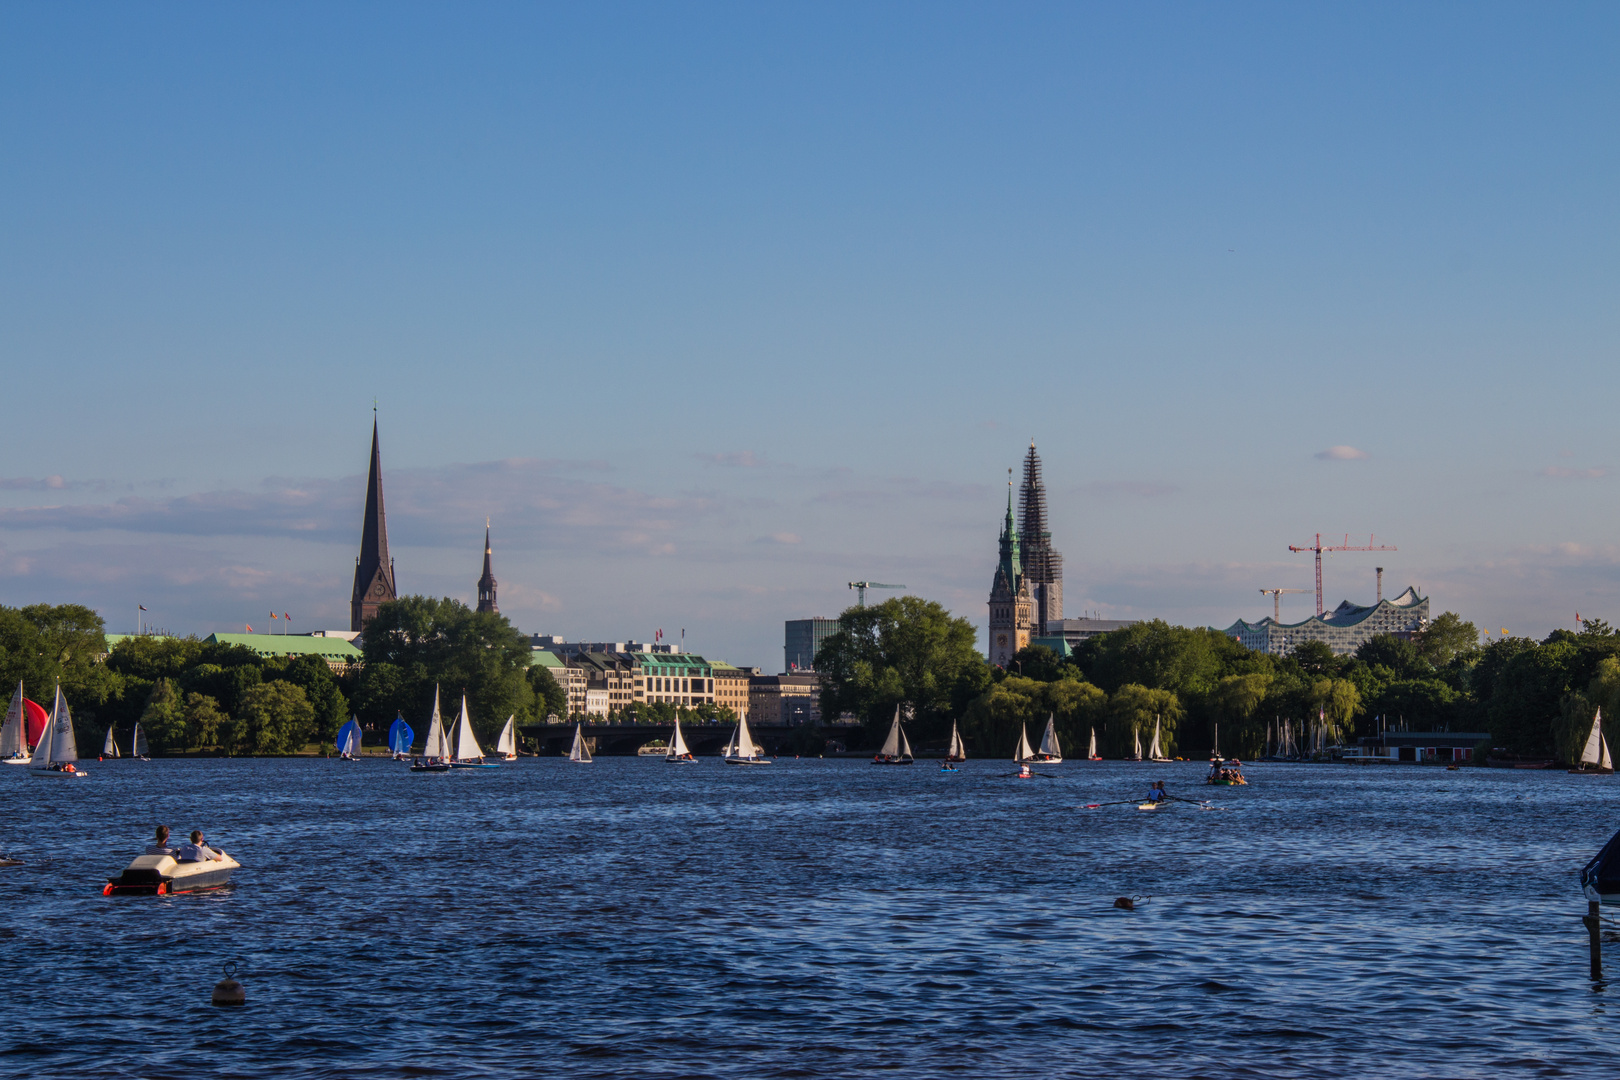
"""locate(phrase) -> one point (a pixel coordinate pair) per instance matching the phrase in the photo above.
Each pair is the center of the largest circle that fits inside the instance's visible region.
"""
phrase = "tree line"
(1534, 699)
(190, 696)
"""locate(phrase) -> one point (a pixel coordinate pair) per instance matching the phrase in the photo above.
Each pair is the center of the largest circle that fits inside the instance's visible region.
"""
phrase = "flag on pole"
(141, 606)
(249, 628)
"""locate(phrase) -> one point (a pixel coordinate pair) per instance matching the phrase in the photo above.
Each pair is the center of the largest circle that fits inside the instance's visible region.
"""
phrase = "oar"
(1098, 805)
(1195, 802)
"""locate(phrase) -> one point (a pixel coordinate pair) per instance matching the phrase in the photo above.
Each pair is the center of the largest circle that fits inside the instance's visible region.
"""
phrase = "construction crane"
(1276, 601)
(860, 588)
(1346, 546)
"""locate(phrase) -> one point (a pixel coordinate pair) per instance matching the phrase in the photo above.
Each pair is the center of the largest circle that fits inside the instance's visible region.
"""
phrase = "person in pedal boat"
(160, 845)
(197, 851)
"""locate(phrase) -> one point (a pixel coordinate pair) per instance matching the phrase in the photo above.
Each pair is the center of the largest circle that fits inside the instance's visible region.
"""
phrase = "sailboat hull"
(745, 761)
(76, 774)
(886, 761)
(18, 761)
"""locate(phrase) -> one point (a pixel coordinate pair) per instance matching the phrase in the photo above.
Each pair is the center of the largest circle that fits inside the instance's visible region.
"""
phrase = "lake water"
(809, 919)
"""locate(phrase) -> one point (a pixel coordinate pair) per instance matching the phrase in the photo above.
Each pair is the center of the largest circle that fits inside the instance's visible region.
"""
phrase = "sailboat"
(14, 734)
(1050, 750)
(109, 745)
(58, 749)
(468, 755)
(436, 750)
(678, 753)
(580, 752)
(958, 750)
(506, 745)
(1091, 752)
(400, 737)
(742, 750)
(1156, 752)
(348, 740)
(1025, 752)
(1136, 749)
(896, 748)
(137, 744)
(1595, 755)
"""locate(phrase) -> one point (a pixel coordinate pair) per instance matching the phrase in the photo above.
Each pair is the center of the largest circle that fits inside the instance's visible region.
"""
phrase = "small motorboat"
(161, 875)
(429, 765)
(1225, 773)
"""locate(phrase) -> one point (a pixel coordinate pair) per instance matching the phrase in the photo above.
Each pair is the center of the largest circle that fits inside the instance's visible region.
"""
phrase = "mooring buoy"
(228, 991)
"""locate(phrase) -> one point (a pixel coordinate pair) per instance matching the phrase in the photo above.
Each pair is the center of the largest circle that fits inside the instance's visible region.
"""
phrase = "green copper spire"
(1009, 542)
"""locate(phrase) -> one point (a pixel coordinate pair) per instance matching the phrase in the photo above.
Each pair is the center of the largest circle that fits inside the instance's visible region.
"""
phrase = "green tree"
(203, 719)
(1401, 657)
(904, 650)
(43, 645)
(1316, 659)
(446, 644)
(1338, 702)
(1156, 654)
(1446, 638)
(151, 658)
(1038, 662)
(164, 719)
(550, 699)
(1235, 700)
(314, 676)
(274, 718)
(1132, 712)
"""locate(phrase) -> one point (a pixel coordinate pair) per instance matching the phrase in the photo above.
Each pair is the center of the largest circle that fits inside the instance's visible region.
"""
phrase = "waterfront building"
(790, 698)
(1345, 629)
(1062, 635)
(570, 679)
(1043, 564)
(486, 584)
(683, 679)
(802, 640)
(732, 687)
(338, 653)
(1012, 609)
(1417, 747)
(596, 702)
(374, 583)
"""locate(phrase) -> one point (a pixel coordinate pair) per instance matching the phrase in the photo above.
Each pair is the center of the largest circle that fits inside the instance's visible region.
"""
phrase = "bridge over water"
(623, 739)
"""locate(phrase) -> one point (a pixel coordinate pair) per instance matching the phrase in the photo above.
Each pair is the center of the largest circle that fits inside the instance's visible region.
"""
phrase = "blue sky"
(714, 308)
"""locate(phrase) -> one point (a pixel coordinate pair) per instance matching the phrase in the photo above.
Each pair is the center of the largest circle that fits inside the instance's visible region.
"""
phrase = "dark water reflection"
(813, 918)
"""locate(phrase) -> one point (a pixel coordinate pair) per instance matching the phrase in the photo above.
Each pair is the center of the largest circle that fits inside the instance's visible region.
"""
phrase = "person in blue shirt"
(197, 851)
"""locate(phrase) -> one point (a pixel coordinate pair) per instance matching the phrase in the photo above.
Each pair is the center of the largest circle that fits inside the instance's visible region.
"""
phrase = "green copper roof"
(327, 648)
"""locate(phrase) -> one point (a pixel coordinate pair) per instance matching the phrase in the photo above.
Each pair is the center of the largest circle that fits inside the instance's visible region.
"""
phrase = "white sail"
(905, 746)
(677, 743)
(14, 734)
(580, 751)
(1091, 752)
(58, 740)
(436, 744)
(891, 745)
(1595, 748)
(109, 748)
(731, 746)
(506, 745)
(958, 751)
(1024, 751)
(1136, 751)
(137, 743)
(1049, 740)
(1154, 753)
(745, 741)
(467, 747)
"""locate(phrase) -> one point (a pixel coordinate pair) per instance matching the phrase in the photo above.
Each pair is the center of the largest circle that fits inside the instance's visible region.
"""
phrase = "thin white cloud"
(1341, 453)
(780, 538)
(1563, 472)
(734, 459)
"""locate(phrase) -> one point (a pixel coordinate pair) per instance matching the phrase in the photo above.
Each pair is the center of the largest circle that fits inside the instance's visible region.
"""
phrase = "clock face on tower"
(1001, 639)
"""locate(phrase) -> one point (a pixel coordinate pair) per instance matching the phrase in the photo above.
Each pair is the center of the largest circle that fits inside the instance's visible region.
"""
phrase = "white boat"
(580, 752)
(58, 749)
(742, 750)
(468, 755)
(1025, 752)
(506, 745)
(14, 734)
(1050, 750)
(896, 748)
(109, 746)
(678, 754)
(1595, 755)
(1091, 752)
(1155, 753)
(137, 744)
(958, 750)
(161, 875)
(436, 748)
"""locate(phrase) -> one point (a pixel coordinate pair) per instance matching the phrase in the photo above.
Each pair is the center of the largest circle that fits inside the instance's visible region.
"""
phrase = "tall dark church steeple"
(373, 570)
(1042, 562)
(486, 584)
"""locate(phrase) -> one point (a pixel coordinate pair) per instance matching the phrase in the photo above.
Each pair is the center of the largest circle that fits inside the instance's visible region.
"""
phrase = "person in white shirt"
(197, 851)
(161, 845)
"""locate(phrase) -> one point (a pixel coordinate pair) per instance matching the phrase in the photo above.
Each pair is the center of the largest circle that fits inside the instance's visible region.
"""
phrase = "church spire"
(373, 570)
(1010, 563)
(486, 584)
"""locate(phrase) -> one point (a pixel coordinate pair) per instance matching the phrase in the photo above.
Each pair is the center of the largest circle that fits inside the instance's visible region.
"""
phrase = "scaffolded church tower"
(1043, 564)
(373, 570)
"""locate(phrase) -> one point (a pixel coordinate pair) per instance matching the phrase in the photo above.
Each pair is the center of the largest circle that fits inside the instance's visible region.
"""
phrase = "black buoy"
(228, 991)
(1125, 902)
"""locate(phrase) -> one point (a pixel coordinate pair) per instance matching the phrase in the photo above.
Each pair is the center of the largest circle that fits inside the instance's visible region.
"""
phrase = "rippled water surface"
(812, 918)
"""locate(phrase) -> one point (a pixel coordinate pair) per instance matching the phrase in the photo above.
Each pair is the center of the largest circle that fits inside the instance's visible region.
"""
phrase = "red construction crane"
(1346, 546)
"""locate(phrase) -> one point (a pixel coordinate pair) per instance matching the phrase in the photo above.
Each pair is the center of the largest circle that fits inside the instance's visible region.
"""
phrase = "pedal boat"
(162, 875)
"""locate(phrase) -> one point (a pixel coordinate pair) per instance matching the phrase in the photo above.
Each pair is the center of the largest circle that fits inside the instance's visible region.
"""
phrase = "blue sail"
(400, 736)
(348, 738)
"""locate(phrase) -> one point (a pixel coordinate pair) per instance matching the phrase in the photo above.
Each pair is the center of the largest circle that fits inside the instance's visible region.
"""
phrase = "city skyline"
(712, 313)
